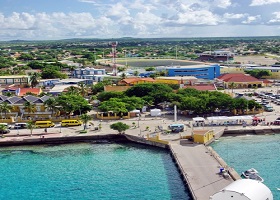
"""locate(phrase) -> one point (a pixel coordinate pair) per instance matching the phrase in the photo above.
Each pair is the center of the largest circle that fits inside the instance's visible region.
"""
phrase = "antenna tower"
(114, 55)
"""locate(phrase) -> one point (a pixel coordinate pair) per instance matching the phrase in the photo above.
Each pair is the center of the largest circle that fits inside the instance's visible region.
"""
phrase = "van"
(268, 108)
(7, 125)
(20, 125)
(177, 127)
(71, 122)
(44, 124)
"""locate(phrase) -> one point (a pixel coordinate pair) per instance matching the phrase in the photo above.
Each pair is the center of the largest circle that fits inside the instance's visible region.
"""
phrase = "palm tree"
(72, 90)
(31, 126)
(85, 119)
(51, 104)
(9, 94)
(83, 88)
(5, 107)
(3, 128)
(136, 73)
(34, 79)
(232, 85)
(123, 76)
(30, 107)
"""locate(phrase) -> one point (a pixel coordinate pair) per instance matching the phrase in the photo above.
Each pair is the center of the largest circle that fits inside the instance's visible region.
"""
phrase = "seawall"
(252, 130)
(62, 140)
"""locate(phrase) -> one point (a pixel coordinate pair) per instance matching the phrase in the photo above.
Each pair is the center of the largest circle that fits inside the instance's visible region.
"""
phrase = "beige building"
(14, 80)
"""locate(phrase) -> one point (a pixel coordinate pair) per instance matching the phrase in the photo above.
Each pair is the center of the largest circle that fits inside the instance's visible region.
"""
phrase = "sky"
(62, 19)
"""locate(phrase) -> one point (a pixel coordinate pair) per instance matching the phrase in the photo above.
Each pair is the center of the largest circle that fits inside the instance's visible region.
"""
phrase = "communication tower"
(114, 55)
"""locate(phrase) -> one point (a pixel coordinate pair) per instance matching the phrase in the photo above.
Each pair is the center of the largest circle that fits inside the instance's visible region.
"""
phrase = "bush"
(83, 131)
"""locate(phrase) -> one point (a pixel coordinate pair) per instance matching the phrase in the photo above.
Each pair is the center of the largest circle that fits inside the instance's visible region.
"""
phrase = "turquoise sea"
(261, 152)
(89, 171)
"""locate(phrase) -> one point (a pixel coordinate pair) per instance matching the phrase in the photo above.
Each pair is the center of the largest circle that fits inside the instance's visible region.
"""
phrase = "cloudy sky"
(60, 19)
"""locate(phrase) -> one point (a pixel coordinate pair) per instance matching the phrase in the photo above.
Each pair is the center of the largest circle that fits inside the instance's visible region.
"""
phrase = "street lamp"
(138, 120)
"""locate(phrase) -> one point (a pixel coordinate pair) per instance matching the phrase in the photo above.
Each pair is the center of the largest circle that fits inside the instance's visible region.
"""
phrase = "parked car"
(20, 125)
(6, 125)
(268, 108)
(5, 131)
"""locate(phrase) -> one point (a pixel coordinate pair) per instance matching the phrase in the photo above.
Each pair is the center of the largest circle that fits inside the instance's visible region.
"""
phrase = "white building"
(244, 189)
(96, 75)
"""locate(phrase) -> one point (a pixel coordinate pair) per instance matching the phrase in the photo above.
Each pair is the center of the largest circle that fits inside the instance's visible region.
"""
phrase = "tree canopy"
(258, 73)
(119, 126)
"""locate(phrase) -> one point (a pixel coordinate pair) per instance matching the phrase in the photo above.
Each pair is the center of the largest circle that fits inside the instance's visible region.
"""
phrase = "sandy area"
(259, 60)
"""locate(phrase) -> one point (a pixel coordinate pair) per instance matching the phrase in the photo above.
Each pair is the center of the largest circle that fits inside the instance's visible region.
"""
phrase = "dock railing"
(183, 173)
(234, 175)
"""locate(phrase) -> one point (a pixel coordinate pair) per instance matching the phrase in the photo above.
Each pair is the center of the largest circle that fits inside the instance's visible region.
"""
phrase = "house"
(16, 80)
(176, 80)
(96, 75)
(203, 136)
(240, 81)
(136, 80)
(203, 87)
(24, 91)
(21, 91)
(18, 110)
(10, 90)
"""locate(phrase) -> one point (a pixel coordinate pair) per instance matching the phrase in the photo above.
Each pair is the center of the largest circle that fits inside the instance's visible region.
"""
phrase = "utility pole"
(176, 52)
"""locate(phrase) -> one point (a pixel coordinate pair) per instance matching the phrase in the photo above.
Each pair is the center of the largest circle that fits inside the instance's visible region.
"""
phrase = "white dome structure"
(244, 189)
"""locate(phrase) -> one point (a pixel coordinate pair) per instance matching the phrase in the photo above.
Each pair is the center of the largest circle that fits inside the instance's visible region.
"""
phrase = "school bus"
(71, 122)
(44, 124)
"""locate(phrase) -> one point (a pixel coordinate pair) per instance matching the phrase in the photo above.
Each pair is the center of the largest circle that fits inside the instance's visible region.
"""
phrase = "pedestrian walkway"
(200, 169)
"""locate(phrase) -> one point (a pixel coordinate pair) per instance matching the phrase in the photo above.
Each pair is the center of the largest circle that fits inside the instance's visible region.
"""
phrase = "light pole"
(138, 120)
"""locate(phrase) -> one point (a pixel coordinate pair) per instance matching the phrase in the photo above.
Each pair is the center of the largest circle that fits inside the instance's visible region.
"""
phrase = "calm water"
(89, 171)
(259, 152)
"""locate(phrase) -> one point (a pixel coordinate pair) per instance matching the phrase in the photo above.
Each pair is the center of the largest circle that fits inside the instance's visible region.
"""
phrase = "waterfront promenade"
(199, 166)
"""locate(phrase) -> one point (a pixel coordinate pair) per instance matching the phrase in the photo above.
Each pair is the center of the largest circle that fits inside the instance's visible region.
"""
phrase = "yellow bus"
(44, 124)
(71, 122)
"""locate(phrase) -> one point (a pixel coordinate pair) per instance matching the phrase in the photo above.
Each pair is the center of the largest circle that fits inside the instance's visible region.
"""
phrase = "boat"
(252, 174)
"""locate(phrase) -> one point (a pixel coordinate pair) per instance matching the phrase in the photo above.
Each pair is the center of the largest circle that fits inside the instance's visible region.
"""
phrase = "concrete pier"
(200, 170)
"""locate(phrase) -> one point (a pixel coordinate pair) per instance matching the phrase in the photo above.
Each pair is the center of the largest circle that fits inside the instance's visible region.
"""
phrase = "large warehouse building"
(199, 71)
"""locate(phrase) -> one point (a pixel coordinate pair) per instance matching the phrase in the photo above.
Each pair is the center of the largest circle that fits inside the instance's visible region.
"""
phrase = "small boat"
(252, 174)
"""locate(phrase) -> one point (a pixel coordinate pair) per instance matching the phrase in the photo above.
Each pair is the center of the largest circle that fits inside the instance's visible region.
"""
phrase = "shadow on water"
(176, 184)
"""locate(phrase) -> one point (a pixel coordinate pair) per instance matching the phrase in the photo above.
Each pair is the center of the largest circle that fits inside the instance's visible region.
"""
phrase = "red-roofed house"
(240, 80)
(267, 83)
(203, 87)
(22, 91)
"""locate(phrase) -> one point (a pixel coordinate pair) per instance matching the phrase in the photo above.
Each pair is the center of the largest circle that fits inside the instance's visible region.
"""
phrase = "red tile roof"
(203, 87)
(267, 81)
(237, 78)
(23, 91)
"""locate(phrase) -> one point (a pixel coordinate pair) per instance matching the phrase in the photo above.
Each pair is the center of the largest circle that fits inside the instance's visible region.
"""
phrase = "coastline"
(180, 162)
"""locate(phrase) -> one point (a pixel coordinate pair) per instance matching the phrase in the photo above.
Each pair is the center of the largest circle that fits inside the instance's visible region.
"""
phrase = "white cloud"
(222, 3)
(234, 16)
(276, 18)
(251, 19)
(141, 5)
(263, 2)
(118, 11)
(202, 17)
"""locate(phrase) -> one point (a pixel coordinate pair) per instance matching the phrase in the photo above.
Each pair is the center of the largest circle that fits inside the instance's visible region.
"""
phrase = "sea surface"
(261, 152)
(89, 171)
